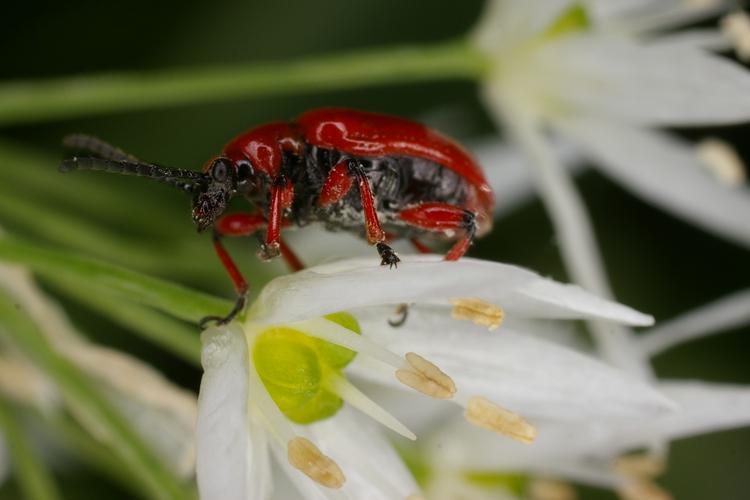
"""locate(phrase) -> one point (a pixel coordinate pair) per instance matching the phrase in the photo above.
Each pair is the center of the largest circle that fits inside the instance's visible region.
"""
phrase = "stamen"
(640, 470)
(544, 488)
(736, 27)
(722, 160)
(640, 465)
(425, 377)
(337, 334)
(487, 415)
(478, 312)
(349, 393)
(643, 490)
(306, 457)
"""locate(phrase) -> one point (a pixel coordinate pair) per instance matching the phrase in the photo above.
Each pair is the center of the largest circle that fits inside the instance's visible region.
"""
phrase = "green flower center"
(298, 370)
(571, 20)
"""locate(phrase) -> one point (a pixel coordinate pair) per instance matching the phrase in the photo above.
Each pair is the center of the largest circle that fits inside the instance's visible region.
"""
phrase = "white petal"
(507, 170)
(705, 39)
(556, 452)
(525, 375)
(232, 457)
(706, 407)
(716, 317)
(645, 15)
(545, 298)
(665, 172)
(646, 84)
(372, 467)
(507, 23)
(362, 282)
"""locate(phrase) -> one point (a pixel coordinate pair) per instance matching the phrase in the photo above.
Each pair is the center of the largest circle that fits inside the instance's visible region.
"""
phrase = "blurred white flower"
(593, 452)
(287, 358)
(161, 412)
(563, 65)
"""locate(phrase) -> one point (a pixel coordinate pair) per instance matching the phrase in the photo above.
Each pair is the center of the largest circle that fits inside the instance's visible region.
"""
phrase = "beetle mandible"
(344, 168)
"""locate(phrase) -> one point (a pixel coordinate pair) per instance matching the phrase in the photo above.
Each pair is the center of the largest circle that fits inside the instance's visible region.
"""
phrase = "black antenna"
(87, 143)
(107, 158)
(186, 180)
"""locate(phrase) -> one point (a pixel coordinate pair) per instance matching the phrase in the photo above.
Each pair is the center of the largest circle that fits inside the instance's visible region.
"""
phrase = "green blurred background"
(656, 262)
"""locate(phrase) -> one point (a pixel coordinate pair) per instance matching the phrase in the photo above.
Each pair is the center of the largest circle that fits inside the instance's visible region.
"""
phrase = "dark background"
(657, 263)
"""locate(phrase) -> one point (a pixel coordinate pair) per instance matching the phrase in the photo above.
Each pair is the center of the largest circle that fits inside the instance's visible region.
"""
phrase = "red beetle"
(410, 181)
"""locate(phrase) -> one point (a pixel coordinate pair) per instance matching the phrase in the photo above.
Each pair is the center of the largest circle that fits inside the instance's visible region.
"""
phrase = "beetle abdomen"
(397, 182)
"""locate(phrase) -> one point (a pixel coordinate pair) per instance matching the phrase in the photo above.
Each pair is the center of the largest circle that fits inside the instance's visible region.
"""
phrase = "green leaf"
(171, 298)
(30, 101)
(33, 478)
(18, 329)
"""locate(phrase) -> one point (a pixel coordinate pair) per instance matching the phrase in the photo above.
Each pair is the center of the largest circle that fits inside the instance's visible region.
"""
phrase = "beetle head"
(211, 199)
(223, 179)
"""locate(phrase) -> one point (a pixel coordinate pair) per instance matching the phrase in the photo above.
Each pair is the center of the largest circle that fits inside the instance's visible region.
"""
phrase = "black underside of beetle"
(397, 182)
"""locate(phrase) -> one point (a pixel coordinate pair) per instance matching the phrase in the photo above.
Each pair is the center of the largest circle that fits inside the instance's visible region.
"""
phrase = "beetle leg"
(241, 225)
(442, 217)
(282, 194)
(420, 247)
(337, 184)
(375, 234)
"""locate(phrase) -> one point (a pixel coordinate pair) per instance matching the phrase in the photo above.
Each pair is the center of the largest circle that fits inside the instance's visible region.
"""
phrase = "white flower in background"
(596, 453)
(275, 385)
(162, 413)
(561, 64)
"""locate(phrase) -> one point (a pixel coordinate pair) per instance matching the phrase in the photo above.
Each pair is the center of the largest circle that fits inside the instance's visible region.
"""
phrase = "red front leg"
(241, 225)
(441, 217)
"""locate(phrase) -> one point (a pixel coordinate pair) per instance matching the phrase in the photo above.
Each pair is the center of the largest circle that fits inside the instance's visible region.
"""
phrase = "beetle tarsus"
(401, 313)
(267, 252)
(387, 256)
(239, 306)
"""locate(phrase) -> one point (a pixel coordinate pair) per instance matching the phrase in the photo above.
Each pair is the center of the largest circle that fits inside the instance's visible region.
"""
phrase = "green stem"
(165, 331)
(29, 101)
(171, 298)
(19, 330)
(33, 478)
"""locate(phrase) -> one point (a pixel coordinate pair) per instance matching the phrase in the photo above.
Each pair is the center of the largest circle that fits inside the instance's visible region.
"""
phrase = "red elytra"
(344, 168)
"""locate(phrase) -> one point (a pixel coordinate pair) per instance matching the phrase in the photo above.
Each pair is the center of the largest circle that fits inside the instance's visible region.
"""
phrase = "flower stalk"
(68, 97)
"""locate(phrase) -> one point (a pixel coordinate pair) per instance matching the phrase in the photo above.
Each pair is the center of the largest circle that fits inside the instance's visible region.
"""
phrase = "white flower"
(561, 64)
(605, 90)
(162, 413)
(592, 453)
(249, 378)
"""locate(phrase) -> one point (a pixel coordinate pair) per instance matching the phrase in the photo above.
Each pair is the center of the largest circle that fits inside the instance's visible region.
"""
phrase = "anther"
(640, 465)
(487, 415)
(478, 312)
(736, 27)
(722, 161)
(640, 471)
(425, 377)
(544, 488)
(306, 457)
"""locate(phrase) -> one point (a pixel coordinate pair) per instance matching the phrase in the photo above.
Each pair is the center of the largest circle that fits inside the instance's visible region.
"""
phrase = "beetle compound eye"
(220, 170)
(244, 171)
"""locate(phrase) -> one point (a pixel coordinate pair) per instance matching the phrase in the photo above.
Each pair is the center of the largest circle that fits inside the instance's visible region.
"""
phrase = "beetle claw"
(387, 256)
(220, 321)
